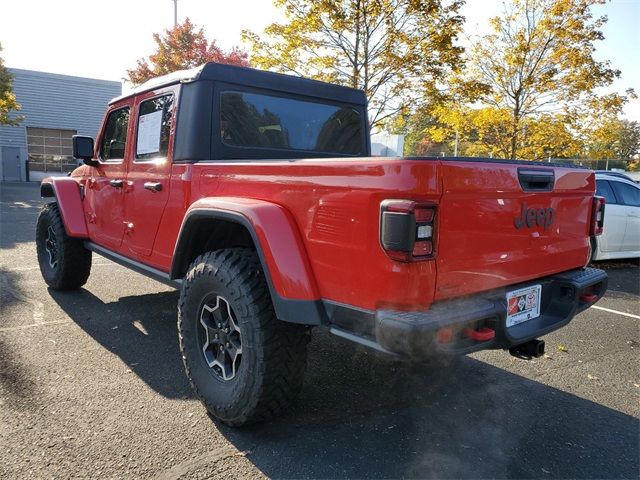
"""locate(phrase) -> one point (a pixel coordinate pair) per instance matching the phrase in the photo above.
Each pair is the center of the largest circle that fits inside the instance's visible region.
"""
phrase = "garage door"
(50, 150)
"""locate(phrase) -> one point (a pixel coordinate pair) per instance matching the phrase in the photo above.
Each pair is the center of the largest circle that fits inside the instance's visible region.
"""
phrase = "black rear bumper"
(447, 327)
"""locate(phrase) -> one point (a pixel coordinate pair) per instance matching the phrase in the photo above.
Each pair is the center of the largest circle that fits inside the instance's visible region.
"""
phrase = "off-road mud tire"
(69, 269)
(273, 361)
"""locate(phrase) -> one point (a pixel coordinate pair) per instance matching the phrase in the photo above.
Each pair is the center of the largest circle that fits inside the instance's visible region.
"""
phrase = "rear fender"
(66, 190)
(276, 238)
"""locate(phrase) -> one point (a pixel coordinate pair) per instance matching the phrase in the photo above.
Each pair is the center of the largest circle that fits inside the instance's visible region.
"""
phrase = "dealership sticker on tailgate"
(523, 305)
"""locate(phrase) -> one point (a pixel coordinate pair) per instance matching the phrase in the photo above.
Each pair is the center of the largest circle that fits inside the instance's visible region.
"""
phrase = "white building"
(54, 108)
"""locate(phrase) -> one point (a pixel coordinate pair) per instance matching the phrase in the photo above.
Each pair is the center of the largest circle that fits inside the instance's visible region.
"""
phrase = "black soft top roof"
(254, 78)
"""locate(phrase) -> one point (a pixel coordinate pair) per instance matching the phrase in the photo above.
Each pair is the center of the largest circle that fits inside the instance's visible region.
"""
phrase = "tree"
(629, 143)
(485, 132)
(480, 131)
(184, 46)
(614, 139)
(549, 136)
(538, 60)
(8, 102)
(392, 49)
(415, 126)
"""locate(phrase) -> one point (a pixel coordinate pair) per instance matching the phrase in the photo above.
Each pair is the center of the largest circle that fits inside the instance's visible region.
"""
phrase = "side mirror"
(83, 149)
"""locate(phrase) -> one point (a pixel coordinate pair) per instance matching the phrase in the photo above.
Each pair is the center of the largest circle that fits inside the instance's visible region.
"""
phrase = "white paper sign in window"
(149, 127)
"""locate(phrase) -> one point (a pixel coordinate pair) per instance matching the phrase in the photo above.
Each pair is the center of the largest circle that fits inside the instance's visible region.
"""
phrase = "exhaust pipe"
(528, 350)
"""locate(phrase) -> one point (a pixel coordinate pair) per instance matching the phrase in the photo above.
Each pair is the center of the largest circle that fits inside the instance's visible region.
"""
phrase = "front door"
(149, 169)
(105, 190)
(11, 164)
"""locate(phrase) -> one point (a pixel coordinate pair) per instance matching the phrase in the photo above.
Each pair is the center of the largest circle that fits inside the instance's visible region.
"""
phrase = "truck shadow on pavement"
(20, 204)
(141, 330)
(15, 384)
(361, 415)
(623, 277)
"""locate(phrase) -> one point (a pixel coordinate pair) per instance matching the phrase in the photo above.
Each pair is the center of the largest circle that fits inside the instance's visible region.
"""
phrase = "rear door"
(149, 168)
(629, 196)
(502, 223)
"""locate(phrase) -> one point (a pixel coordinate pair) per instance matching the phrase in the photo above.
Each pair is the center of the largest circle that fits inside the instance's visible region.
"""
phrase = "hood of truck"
(492, 232)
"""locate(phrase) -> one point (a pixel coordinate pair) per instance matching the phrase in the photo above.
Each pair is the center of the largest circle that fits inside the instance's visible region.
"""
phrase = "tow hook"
(528, 350)
(588, 297)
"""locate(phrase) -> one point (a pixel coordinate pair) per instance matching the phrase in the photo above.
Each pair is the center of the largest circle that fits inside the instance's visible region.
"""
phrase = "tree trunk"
(356, 66)
(515, 124)
(514, 143)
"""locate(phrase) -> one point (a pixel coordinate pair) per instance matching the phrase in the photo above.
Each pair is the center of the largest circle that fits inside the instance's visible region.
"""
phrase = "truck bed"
(336, 206)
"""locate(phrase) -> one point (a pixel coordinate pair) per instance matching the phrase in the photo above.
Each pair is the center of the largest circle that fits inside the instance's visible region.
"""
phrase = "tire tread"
(282, 346)
(75, 261)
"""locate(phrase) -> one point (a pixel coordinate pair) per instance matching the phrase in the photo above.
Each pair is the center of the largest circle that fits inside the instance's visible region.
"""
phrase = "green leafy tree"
(184, 46)
(8, 102)
(538, 60)
(392, 49)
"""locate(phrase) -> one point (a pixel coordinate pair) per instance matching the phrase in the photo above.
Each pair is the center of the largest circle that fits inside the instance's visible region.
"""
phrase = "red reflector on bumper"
(588, 297)
(445, 335)
(482, 335)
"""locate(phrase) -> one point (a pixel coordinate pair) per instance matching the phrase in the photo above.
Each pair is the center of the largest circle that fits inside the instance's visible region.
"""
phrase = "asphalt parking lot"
(92, 385)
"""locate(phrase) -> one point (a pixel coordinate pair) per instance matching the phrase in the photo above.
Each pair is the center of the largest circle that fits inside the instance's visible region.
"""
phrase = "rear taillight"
(407, 229)
(597, 216)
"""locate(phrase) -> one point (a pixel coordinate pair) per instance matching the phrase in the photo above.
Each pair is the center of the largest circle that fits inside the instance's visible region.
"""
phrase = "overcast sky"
(101, 39)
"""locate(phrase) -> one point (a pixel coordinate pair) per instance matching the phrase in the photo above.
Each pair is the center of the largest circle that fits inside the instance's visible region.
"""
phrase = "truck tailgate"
(499, 224)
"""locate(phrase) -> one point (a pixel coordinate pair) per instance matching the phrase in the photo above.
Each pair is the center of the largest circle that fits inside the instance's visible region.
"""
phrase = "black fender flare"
(46, 190)
(306, 312)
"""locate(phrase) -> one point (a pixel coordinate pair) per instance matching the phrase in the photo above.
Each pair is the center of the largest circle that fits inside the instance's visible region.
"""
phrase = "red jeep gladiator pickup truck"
(255, 194)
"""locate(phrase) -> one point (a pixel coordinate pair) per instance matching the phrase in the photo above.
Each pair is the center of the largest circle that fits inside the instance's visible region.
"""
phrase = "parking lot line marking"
(32, 325)
(616, 311)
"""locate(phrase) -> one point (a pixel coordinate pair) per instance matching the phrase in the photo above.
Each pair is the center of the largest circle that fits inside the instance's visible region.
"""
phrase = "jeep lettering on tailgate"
(530, 217)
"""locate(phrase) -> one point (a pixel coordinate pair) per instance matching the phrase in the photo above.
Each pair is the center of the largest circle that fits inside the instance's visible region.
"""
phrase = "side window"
(252, 120)
(628, 194)
(112, 146)
(154, 128)
(603, 189)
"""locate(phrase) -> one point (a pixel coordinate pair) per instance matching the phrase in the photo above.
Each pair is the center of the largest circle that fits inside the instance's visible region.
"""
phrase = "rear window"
(263, 121)
(604, 190)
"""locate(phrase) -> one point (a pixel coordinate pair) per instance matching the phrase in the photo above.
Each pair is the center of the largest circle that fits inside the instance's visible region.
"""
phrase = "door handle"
(153, 186)
(116, 183)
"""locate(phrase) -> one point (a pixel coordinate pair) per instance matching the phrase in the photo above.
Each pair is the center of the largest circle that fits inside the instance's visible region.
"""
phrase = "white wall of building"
(387, 145)
(56, 101)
